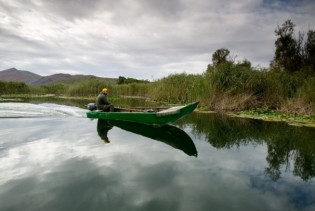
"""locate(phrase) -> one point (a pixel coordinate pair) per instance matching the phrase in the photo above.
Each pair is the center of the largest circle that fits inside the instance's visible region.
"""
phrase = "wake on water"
(27, 110)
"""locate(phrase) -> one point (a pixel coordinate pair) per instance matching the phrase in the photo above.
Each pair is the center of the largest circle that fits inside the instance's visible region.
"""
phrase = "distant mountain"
(13, 74)
(30, 78)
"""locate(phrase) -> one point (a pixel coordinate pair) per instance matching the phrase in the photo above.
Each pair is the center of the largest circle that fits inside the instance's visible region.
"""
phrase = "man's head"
(105, 90)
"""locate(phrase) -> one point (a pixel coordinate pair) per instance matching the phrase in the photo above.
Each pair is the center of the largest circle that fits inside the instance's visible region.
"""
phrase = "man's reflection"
(103, 126)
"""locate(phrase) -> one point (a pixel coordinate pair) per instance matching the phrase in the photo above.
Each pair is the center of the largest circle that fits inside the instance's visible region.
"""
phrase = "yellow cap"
(105, 90)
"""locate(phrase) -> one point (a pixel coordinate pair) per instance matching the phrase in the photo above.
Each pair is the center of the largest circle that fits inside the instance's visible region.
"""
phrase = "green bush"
(13, 88)
(307, 91)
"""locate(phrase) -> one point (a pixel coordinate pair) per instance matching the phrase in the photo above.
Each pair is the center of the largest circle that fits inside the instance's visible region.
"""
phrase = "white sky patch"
(140, 38)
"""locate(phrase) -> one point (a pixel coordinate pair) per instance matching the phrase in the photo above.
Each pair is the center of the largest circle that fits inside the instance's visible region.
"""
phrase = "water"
(53, 158)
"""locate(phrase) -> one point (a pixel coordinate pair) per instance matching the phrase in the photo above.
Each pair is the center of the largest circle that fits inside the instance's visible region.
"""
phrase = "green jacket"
(102, 102)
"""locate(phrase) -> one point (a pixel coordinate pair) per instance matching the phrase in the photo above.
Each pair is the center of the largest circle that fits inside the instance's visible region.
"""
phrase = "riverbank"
(272, 116)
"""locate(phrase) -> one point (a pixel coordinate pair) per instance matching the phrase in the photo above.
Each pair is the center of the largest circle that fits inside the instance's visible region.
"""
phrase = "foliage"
(123, 80)
(307, 90)
(132, 89)
(176, 88)
(56, 89)
(220, 56)
(272, 115)
(310, 50)
(230, 78)
(87, 88)
(13, 88)
(287, 53)
(245, 63)
(292, 54)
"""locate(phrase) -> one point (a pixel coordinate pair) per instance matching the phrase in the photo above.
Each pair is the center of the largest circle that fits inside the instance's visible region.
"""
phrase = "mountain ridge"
(30, 78)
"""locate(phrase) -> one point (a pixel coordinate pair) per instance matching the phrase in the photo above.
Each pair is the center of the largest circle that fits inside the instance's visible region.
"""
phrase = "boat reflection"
(167, 134)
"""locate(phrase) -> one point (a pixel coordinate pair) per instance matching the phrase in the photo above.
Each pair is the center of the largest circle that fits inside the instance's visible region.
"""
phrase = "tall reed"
(177, 88)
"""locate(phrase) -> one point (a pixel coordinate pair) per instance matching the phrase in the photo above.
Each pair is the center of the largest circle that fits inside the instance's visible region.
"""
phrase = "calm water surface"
(53, 158)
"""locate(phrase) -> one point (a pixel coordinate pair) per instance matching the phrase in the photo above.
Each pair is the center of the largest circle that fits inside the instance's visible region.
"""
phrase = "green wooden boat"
(154, 116)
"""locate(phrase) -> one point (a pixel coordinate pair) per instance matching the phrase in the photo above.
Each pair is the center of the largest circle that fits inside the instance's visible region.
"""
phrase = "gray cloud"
(142, 39)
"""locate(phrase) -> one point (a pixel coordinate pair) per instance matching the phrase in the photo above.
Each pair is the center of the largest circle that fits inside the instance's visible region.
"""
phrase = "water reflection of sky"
(62, 164)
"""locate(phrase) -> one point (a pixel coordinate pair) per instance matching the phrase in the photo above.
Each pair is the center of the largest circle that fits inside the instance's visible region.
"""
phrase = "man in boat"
(102, 103)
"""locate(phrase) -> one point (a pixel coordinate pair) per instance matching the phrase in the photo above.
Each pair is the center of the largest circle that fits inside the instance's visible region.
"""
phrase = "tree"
(288, 53)
(124, 80)
(245, 63)
(309, 49)
(121, 80)
(220, 56)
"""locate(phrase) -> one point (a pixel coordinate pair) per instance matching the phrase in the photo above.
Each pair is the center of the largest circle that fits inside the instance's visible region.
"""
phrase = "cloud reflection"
(68, 168)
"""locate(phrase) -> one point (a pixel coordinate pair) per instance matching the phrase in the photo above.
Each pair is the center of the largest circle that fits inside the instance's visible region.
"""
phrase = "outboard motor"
(91, 106)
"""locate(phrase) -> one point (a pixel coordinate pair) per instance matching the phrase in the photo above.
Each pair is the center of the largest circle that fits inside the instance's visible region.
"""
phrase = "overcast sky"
(144, 39)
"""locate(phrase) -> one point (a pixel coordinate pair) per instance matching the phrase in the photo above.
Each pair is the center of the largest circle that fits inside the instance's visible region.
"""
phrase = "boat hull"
(155, 118)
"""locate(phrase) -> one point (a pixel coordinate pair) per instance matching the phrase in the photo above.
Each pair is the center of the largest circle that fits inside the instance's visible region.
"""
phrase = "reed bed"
(226, 87)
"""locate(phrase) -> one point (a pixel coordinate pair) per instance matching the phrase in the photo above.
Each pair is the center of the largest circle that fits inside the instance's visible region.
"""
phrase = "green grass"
(272, 115)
